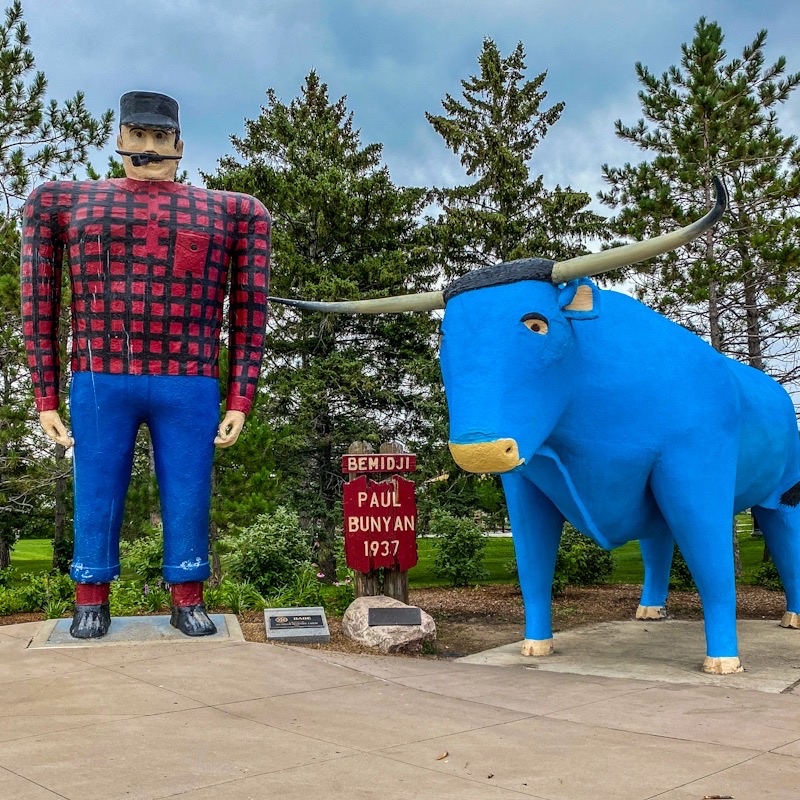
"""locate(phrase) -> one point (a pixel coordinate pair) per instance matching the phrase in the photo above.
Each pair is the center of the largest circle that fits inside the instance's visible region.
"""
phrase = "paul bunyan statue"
(150, 261)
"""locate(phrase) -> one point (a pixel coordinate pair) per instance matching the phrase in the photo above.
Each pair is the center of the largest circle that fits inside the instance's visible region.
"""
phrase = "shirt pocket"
(191, 250)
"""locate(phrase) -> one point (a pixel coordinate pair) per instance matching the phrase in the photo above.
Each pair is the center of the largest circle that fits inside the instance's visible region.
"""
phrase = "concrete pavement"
(230, 720)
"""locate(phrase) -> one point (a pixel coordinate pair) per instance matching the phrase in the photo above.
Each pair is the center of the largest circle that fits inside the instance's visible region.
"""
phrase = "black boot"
(90, 621)
(192, 620)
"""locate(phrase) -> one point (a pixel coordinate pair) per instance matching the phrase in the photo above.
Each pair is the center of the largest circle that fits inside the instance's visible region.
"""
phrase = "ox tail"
(791, 497)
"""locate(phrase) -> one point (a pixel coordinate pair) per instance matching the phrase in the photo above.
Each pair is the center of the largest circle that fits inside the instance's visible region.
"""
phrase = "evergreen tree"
(343, 230)
(506, 213)
(738, 286)
(37, 139)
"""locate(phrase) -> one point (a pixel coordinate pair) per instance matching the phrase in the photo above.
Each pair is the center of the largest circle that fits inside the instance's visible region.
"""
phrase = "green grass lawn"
(628, 560)
(32, 555)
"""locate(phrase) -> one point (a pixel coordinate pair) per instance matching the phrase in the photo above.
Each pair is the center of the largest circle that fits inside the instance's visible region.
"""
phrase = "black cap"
(149, 109)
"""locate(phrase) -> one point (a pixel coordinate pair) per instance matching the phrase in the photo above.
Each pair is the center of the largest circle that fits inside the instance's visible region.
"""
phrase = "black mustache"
(140, 159)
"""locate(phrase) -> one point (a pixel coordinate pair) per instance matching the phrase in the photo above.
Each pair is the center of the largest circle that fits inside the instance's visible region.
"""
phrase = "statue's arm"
(41, 255)
(248, 316)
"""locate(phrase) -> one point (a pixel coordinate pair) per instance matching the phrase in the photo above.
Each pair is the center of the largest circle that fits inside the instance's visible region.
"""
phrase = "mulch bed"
(477, 618)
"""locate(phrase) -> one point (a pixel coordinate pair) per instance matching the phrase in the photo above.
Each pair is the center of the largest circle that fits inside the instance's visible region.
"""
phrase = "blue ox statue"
(595, 409)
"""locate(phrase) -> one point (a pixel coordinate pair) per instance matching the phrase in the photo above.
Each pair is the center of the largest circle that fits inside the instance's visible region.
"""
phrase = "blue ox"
(595, 409)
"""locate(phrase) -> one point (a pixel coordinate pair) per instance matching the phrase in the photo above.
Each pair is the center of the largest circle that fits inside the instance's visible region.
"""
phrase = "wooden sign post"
(380, 520)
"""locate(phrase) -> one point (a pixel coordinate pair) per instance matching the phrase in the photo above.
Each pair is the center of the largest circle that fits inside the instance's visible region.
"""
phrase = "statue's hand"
(229, 429)
(54, 428)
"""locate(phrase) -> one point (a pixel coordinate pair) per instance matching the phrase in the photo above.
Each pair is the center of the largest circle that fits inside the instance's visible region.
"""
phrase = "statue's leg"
(781, 528)
(105, 415)
(183, 419)
(657, 558)
(695, 495)
(536, 528)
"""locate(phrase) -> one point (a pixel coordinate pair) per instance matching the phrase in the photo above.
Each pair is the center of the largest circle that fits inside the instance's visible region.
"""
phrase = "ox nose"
(501, 455)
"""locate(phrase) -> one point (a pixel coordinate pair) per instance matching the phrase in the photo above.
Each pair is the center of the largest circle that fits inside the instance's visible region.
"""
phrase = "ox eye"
(536, 323)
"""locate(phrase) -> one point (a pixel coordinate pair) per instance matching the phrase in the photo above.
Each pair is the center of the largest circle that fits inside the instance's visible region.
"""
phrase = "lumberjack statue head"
(149, 136)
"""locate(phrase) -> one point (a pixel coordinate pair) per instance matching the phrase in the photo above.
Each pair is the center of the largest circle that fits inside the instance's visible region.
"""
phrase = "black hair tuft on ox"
(791, 497)
(524, 269)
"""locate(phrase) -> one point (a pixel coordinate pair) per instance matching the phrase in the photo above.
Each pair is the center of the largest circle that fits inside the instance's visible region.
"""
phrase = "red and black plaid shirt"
(149, 265)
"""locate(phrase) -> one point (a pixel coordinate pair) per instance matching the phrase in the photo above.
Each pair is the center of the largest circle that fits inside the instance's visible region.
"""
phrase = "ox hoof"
(651, 612)
(727, 665)
(537, 647)
(790, 620)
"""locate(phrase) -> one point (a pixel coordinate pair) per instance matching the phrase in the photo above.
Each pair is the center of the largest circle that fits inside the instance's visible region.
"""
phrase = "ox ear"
(580, 300)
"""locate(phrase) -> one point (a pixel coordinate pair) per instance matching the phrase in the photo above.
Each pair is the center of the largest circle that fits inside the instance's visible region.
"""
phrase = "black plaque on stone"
(296, 621)
(394, 616)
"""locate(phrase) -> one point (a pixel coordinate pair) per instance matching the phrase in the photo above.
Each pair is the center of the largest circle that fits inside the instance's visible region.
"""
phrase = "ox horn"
(424, 301)
(595, 263)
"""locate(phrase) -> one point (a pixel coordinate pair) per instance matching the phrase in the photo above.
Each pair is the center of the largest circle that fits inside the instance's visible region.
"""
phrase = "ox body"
(597, 410)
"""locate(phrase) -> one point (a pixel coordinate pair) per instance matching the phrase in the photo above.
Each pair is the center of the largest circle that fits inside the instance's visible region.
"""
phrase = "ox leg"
(781, 528)
(698, 512)
(536, 527)
(657, 558)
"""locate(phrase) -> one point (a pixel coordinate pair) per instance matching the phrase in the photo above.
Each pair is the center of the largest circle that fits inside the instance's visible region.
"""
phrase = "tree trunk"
(5, 554)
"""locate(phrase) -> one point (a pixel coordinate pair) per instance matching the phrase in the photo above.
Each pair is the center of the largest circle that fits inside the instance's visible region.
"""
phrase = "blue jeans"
(182, 413)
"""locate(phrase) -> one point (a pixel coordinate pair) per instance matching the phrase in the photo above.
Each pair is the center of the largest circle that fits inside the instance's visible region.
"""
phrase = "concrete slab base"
(668, 650)
(133, 630)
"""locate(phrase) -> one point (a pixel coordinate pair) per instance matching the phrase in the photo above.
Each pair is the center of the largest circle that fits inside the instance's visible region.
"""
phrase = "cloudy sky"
(393, 59)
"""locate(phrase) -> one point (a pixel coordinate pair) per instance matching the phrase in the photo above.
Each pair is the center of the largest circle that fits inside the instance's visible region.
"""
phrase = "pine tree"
(37, 139)
(342, 230)
(738, 286)
(506, 213)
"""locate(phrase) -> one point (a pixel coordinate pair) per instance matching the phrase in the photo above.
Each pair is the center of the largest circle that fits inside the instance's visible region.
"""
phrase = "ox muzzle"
(501, 455)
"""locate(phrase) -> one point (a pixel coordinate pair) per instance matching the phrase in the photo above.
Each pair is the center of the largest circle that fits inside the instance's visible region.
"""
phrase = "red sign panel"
(380, 524)
(380, 462)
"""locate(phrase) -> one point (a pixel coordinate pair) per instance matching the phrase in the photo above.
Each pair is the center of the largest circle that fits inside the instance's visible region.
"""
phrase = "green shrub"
(269, 552)
(239, 597)
(339, 596)
(579, 562)
(126, 598)
(304, 589)
(766, 575)
(459, 546)
(143, 557)
(36, 592)
(9, 602)
(5, 577)
(680, 578)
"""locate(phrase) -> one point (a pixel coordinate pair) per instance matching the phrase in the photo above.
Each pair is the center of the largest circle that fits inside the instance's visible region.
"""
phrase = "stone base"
(386, 638)
(722, 666)
(790, 620)
(537, 647)
(651, 612)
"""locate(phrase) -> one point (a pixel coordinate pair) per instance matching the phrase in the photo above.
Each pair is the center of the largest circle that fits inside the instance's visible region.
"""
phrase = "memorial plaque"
(306, 625)
(296, 621)
(394, 616)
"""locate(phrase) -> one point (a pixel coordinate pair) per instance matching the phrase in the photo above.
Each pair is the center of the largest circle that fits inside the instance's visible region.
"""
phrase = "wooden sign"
(379, 462)
(380, 523)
